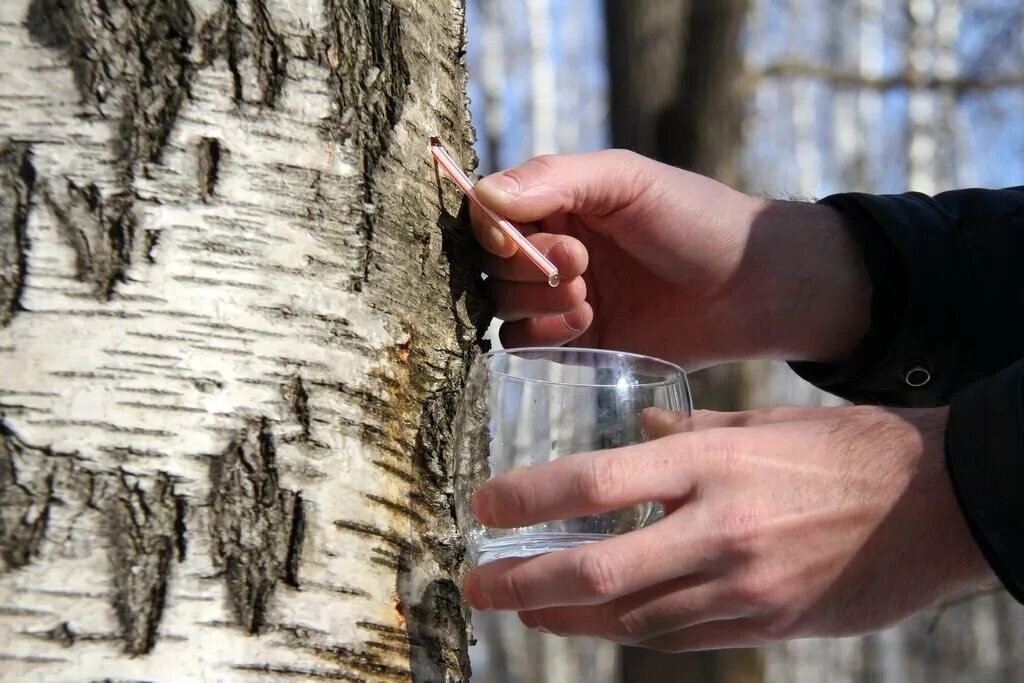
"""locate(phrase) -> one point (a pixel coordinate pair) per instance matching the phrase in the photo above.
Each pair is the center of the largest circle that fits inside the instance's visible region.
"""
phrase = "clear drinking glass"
(525, 407)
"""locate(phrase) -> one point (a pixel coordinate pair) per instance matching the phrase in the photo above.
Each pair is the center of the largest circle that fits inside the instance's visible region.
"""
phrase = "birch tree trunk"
(234, 324)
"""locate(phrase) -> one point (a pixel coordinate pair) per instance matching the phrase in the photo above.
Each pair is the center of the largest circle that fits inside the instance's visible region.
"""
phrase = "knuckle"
(726, 450)
(597, 575)
(601, 481)
(520, 501)
(776, 628)
(626, 627)
(512, 587)
(740, 529)
(539, 166)
(757, 590)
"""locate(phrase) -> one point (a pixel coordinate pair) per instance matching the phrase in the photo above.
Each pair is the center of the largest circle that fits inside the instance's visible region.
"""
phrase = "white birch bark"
(231, 340)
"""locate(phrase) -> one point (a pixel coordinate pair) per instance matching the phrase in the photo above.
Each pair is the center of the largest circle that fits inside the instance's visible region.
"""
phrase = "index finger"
(567, 253)
(589, 483)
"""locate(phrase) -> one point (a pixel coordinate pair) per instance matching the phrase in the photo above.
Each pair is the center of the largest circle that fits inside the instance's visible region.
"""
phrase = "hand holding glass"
(531, 406)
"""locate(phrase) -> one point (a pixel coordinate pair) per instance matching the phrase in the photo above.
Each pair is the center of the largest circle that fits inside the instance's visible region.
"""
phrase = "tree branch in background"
(841, 78)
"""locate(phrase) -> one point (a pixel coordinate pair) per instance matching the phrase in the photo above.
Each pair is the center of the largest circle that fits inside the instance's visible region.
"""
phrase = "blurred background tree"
(784, 98)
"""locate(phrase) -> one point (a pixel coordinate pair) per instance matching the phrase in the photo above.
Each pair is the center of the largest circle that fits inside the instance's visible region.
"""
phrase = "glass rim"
(678, 371)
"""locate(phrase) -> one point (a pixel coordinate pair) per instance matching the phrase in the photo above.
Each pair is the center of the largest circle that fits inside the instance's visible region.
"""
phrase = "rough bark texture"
(236, 311)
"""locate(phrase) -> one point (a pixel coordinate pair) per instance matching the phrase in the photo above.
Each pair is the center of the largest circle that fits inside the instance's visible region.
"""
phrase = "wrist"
(808, 280)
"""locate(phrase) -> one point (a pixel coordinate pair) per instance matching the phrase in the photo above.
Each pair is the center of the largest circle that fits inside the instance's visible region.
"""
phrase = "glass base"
(528, 545)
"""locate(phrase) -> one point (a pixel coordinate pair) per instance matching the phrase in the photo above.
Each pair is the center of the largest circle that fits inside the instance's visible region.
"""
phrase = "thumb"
(593, 184)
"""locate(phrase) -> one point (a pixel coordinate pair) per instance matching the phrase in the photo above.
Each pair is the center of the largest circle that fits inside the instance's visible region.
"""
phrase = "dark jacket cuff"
(985, 459)
(909, 355)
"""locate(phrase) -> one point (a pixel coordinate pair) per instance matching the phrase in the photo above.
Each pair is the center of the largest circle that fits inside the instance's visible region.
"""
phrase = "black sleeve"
(948, 301)
(947, 327)
(985, 459)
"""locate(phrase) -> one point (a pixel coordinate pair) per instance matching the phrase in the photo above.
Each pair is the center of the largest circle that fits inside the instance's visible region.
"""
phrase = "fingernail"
(496, 240)
(500, 182)
(473, 589)
(483, 507)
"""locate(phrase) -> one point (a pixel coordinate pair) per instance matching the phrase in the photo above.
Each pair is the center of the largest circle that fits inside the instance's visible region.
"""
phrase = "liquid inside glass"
(527, 407)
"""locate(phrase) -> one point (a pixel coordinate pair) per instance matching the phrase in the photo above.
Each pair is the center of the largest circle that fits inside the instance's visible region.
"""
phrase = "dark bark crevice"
(144, 528)
(25, 500)
(17, 184)
(244, 33)
(130, 61)
(371, 79)
(298, 401)
(209, 156)
(257, 540)
(131, 64)
(100, 229)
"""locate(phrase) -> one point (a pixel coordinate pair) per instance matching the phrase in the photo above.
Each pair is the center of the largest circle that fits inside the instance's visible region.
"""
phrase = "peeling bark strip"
(17, 181)
(100, 229)
(25, 501)
(145, 528)
(256, 526)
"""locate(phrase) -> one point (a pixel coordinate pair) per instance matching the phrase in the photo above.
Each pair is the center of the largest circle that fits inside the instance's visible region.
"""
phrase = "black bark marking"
(150, 240)
(61, 633)
(144, 528)
(298, 533)
(244, 33)
(209, 167)
(180, 527)
(130, 60)
(278, 672)
(257, 540)
(358, 660)
(17, 182)
(362, 529)
(100, 229)
(25, 500)
(298, 399)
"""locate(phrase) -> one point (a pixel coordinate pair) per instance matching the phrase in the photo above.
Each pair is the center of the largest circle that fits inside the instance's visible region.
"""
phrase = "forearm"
(805, 276)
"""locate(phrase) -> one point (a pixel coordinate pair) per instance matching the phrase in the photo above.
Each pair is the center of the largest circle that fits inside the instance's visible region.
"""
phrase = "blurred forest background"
(786, 98)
